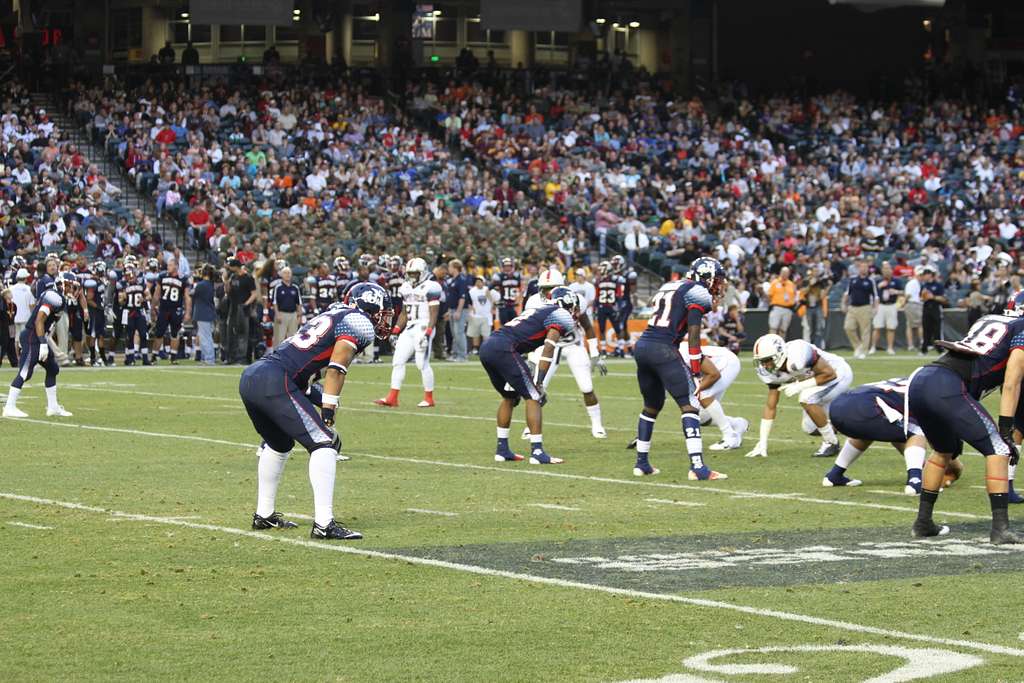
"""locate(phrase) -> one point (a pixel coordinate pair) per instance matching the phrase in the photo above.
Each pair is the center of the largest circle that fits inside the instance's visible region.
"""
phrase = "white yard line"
(534, 471)
(684, 503)
(296, 515)
(26, 525)
(439, 513)
(882, 492)
(552, 506)
(548, 581)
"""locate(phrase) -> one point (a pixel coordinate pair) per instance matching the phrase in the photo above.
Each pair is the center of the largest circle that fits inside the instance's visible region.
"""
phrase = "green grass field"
(127, 553)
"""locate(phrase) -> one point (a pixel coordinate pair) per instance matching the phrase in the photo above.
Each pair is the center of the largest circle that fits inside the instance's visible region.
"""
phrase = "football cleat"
(741, 425)
(1013, 497)
(508, 457)
(525, 436)
(913, 487)
(644, 469)
(342, 458)
(58, 411)
(542, 458)
(11, 411)
(1001, 535)
(705, 474)
(386, 402)
(928, 529)
(333, 532)
(840, 481)
(425, 403)
(274, 521)
(597, 431)
(98, 364)
(827, 450)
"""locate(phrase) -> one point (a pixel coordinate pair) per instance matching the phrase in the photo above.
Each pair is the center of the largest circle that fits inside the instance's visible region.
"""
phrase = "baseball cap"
(22, 274)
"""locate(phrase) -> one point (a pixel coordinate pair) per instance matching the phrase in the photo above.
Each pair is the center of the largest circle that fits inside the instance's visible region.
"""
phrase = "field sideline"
(126, 529)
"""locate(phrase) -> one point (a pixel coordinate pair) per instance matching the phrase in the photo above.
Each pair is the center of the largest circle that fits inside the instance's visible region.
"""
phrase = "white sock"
(12, 396)
(397, 376)
(913, 456)
(269, 471)
(428, 378)
(594, 412)
(643, 447)
(1013, 471)
(322, 465)
(847, 455)
(503, 432)
(828, 435)
(51, 397)
(719, 419)
(536, 441)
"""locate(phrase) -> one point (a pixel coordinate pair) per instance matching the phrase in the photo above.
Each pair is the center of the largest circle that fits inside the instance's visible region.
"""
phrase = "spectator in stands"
(190, 55)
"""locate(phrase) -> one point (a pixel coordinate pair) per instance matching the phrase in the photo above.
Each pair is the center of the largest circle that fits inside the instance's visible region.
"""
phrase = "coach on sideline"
(859, 303)
(285, 299)
(781, 303)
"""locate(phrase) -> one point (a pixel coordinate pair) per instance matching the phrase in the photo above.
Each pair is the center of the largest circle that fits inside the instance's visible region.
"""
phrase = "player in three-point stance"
(571, 351)
(719, 369)
(275, 393)
(35, 349)
(501, 356)
(679, 309)
(876, 412)
(945, 399)
(421, 301)
(797, 368)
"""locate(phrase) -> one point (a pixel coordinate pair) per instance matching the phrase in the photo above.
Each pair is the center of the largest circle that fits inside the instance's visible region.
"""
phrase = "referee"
(859, 303)
(285, 300)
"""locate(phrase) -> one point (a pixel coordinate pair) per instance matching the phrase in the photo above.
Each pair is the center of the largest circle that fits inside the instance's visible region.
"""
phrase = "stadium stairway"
(130, 199)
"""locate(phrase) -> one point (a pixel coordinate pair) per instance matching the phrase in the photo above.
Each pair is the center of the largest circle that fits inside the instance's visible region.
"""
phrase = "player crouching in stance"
(570, 350)
(679, 309)
(35, 349)
(876, 412)
(719, 369)
(274, 393)
(511, 377)
(797, 368)
(944, 396)
(421, 301)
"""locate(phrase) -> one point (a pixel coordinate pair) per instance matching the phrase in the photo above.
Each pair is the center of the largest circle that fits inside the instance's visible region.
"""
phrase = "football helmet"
(618, 263)
(550, 279)
(708, 272)
(396, 263)
(375, 302)
(18, 261)
(604, 268)
(416, 271)
(508, 265)
(383, 260)
(567, 299)
(366, 260)
(99, 267)
(68, 285)
(152, 264)
(1015, 305)
(341, 265)
(770, 352)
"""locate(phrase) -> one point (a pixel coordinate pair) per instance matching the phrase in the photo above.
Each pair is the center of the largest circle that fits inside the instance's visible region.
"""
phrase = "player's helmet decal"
(710, 273)
(1015, 305)
(375, 302)
(567, 299)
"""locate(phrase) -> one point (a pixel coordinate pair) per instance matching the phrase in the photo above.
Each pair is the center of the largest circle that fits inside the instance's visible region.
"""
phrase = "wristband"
(396, 330)
(329, 400)
(592, 347)
(429, 331)
(695, 358)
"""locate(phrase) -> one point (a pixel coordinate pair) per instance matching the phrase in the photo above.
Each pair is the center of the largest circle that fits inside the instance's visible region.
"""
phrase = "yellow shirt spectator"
(782, 293)
(668, 226)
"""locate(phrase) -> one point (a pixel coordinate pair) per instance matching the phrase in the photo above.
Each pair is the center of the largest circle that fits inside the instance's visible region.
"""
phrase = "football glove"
(44, 351)
(795, 388)
(758, 451)
(602, 367)
(1006, 432)
(543, 398)
(327, 414)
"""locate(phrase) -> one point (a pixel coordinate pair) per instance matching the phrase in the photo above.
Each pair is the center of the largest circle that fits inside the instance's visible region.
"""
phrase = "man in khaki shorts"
(483, 302)
(859, 303)
(886, 317)
(913, 308)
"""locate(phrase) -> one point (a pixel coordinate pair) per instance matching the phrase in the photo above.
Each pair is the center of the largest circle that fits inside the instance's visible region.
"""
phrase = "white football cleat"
(526, 434)
(11, 411)
(597, 431)
(724, 445)
(59, 411)
(741, 425)
(342, 458)
(425, 404)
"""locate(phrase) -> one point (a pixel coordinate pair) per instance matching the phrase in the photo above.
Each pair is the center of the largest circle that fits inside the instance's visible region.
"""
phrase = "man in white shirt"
(585, 289)
(913, 308)
(21, 295)
(483, 301)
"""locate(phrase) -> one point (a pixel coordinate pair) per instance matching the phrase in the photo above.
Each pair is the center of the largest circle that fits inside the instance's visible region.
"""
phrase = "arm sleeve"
(1017, 343)
(561, 320)
(355, 328)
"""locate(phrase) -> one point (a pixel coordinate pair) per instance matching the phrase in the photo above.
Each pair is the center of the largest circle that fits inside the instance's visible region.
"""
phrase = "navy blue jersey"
(51, 304)
(980, 357)
(874, 412)
(343, 281)
(626, 282)
(42, 283)
(135, 295)
(527, 331)
(172, 290)
(508, 286)
(607, 291)
(672, 306)
(309, 350)
(888, 290)
(937, 289)
(326, 291)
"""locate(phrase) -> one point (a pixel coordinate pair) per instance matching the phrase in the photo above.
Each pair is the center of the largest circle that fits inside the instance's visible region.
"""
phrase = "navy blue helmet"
(708, 272)
(374, 301)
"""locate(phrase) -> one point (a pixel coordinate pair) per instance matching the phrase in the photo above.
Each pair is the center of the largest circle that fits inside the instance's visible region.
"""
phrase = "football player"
(679, 309)
(95, 289)
(625, 294)
(35, 349)
(326, 291)
(876, 412)
(395, 279)
(421, 301)
(342, 277)
(577, 349)
(508, 284)
(273, 390)
(719, 368)
(77, 311)
(135, 297)
(172, 291)
(945, 399)
(799, 369)
(607, 286)
(511, 377)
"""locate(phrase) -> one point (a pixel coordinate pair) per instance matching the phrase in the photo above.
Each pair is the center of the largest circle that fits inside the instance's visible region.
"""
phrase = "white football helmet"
(770, 352)
(416, 271)
(550, 279)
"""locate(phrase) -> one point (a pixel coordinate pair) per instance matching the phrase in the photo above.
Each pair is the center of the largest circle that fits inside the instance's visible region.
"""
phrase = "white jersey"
(724, 360)
(800, 359)
(574, 337)
(587, 293)
(483, 300)
(418, 299)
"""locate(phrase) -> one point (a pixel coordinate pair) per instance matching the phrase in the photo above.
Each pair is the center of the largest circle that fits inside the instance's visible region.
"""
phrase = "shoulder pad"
(52, 299)
(698, 295)
(355, 326)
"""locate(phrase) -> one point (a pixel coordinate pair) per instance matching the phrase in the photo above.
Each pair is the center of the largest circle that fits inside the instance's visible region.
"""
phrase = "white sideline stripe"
(552, 506)
(892, 493)
(296, 515)
(31, 526)
(432, 512)
(666, 501)
(534, 472)
(560, 583)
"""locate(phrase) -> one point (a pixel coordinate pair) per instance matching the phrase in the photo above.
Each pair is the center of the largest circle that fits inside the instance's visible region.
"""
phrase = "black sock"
(926, 504)
(999, 503)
